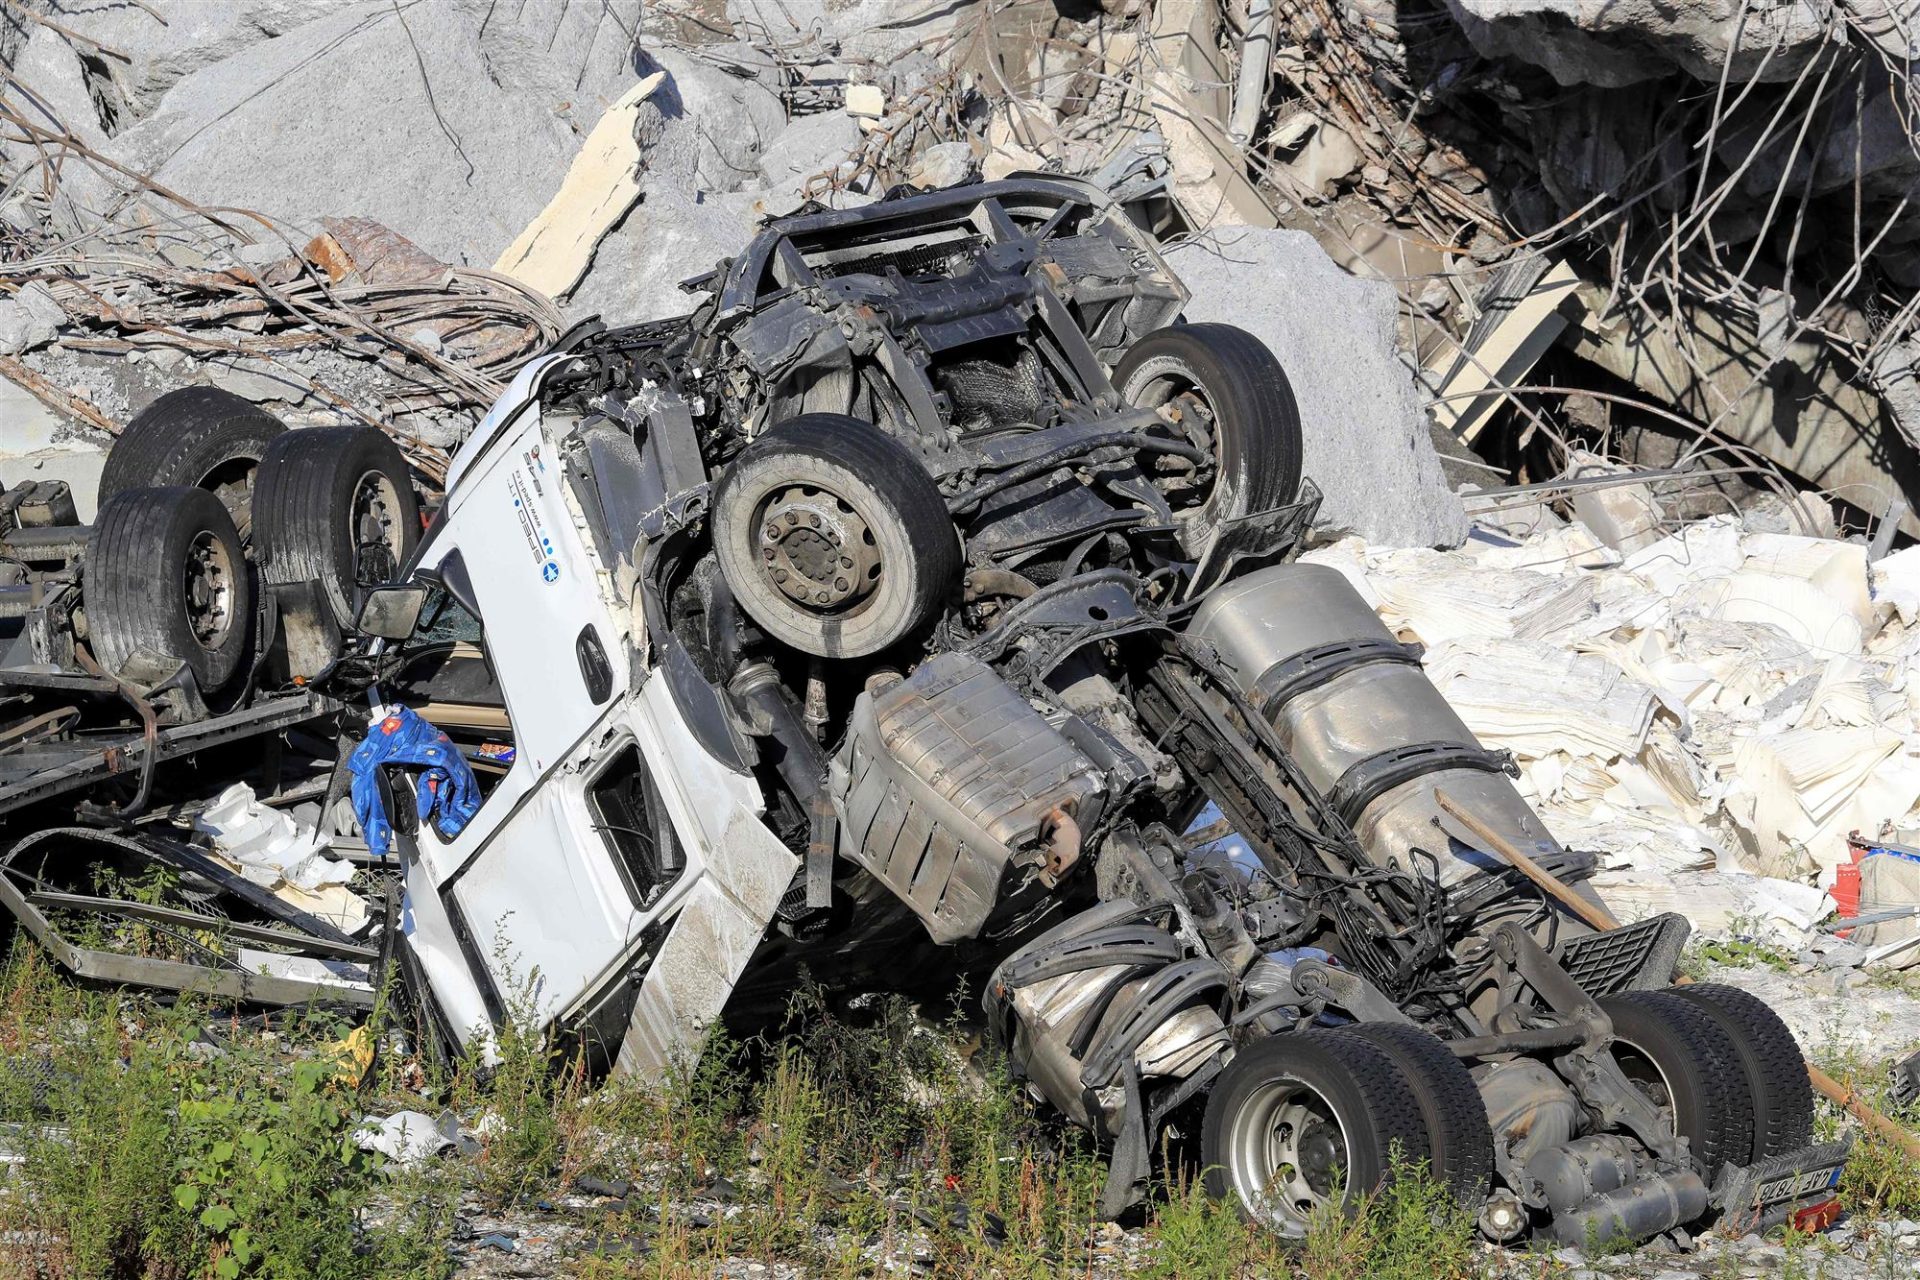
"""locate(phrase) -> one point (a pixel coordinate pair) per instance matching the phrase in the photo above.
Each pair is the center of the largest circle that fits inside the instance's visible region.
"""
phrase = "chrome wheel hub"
(374, 529)
(1287, 1155)
(209, 580)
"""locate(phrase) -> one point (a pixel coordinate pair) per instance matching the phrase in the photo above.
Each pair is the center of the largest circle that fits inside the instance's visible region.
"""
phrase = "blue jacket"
(444, 790)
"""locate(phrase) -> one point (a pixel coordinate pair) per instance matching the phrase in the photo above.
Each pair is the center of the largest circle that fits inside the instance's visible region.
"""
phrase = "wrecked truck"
(930, 591)
(197, 628)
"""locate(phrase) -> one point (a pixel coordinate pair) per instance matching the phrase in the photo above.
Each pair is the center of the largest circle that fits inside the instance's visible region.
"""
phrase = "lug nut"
(813, 518)
(839, 584)
(821, 597)
(766, 553)
(846, 562)
(772, 530)
(779, 575)
(793, 518)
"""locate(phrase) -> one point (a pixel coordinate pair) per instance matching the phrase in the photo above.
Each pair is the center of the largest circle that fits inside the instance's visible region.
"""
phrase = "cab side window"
(445, 676)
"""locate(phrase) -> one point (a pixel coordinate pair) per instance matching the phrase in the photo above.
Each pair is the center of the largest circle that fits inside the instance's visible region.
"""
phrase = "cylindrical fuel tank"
(1359, 715)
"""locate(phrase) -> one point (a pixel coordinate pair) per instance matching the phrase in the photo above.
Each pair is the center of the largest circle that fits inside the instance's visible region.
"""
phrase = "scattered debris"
(411, 1138)
(1556, 572)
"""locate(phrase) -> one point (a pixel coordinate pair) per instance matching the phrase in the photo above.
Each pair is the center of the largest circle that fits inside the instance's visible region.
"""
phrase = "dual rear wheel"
(1309, 1122)
(1302, 1122)
(206, 500)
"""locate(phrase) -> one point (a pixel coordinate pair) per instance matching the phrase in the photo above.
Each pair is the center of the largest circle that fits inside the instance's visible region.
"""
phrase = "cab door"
(535, 912)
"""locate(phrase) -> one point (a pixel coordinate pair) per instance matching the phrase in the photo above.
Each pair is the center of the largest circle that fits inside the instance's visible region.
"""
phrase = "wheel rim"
(1184, 405)
(1287, 1154)
(209, 589)
(1645, 1073)
(813, 547)
(373, 529)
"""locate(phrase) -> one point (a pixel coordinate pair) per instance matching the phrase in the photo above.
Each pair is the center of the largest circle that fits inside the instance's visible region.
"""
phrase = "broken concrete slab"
(38, 444)
(668, 236)
(1622, 42)
(557, 247)
(945, 164)
(811, 144)
(875, 32)
(480, 107)
(1367, 442)
(704, 128)
(29, 319)
(155, 44)
(48, 86)
(706, 141)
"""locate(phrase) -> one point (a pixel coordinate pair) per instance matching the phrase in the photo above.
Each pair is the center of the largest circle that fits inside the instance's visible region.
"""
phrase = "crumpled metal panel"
(947, 779)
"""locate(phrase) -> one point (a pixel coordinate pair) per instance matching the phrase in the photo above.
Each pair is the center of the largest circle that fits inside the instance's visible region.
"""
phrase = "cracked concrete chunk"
(157, 43)
(1367, 443)
(48, 87)
(1621, 42)
(29, 319)
(481, 106)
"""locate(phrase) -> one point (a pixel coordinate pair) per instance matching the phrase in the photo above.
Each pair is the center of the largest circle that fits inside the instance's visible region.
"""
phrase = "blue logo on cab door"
(550, 571)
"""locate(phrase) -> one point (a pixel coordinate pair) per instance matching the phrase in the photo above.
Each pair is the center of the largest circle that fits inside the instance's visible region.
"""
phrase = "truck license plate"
(1796, 1185)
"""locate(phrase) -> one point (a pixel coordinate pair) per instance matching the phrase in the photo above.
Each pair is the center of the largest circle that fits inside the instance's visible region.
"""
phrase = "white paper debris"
(1534, 698)
(269, 848)
(1434, 596)
(333, 973)
(411, 1138)
(1710, 714)
(1896, 584)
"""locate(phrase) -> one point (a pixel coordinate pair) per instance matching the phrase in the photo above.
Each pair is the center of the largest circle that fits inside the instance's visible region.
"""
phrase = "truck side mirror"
(391, 612)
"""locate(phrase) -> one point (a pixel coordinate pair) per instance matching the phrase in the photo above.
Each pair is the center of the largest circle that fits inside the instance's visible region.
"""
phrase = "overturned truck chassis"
(916, 603)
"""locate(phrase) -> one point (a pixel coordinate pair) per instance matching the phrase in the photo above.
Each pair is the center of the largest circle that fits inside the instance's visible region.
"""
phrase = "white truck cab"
(617, 876)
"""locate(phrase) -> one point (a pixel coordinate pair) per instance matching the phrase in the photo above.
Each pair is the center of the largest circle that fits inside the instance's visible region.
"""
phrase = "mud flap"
(1768, 1192)
(307, 639)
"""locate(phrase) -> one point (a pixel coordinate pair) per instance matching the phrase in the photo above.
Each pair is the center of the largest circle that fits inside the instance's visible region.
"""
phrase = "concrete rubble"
(1601, 318)
(1367, 443)
(649, 158)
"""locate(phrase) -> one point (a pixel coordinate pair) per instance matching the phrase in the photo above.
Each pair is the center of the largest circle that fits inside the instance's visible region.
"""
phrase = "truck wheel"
(1221, 386)
(335, 506)
(1677, 1054)
(165, 572)
(199, 436)
(1775, 1068)
(833, 537)
(1304, 1120)
(1449, 1102)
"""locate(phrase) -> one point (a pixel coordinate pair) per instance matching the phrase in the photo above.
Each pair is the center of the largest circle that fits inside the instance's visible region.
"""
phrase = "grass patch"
(1882, 1180)
(857, 1140)
(156, 1145)
(1734, 951)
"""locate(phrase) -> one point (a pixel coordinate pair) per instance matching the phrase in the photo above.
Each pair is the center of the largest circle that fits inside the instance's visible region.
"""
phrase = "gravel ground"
(1833, 1012)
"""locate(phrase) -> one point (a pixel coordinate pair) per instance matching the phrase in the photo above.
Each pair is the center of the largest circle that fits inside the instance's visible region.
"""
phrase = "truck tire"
(1776, 1070)
(165, 572)
(335, 506)
(833, 537)
(199, 436)
(1679, 1056)
(1306, 1119)
(1449, 1102)
(1248, 410)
